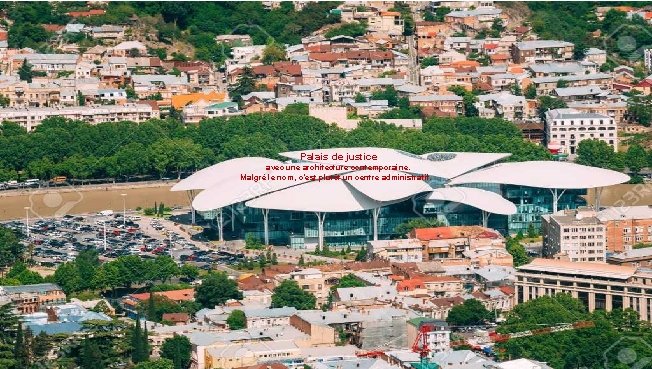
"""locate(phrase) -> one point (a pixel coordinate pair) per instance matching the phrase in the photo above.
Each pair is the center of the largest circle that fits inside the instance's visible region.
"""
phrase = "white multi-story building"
(397, 251)
(29, 118)
(577, 235)
(566, 128)
(437, 336)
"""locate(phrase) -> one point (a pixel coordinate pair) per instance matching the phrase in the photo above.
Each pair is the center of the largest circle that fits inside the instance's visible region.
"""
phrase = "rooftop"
(587, 269)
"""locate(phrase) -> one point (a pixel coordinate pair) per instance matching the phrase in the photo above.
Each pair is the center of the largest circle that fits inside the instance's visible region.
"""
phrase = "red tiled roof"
(187, 294)
(490, 46)
(176, 317)
(87, 13)
(644, 83)
(409, 284)
(499, 56)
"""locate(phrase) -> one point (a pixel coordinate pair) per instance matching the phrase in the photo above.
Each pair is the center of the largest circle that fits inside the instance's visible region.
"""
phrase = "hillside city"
(325, 185)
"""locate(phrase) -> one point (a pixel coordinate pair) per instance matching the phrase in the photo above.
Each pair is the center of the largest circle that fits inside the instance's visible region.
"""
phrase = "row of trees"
(165, 147)
(87, 273)
(599, 154)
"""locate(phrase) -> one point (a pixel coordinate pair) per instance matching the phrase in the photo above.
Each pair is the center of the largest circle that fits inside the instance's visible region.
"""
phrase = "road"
(414, 67)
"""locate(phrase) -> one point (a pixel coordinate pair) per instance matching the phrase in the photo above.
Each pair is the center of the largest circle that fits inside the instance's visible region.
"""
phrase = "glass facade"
(356, 228)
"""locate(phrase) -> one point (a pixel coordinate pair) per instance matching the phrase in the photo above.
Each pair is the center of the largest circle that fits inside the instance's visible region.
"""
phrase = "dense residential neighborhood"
(325, 185)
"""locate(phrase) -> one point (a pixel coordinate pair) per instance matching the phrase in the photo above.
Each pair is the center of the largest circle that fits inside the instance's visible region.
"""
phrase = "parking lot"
(60, 240)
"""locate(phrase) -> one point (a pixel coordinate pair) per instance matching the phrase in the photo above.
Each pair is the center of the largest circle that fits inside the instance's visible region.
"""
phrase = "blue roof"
(55, 328)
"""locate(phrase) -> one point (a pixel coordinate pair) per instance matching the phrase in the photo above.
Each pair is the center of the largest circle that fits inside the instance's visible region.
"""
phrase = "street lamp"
(124, 209)
(27, 220)
(104, 226)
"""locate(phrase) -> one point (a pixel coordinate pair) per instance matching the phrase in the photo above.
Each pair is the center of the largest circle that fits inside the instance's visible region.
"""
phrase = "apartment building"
(48, 63)
(167, 85)
(194, 113)
(32, 298)
(576, 235)
(108, 32)
(451, 242)
(546, 85)
(399, 251)
(388, 22)
(431, 35)
(29, 118)
(633, 258)
(626, 226)
(541, 51)
(313, 281)
(566, 128)
(437, 337)
(503, 105)
(451, 104)
(597, 285)
(473, 19)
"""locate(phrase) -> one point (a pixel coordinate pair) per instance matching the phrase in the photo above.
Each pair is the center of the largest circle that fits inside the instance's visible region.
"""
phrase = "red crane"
(420, 344)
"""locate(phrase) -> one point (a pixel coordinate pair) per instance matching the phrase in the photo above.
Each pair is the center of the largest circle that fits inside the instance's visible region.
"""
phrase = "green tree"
(471, 312)
(517, 250)
(216, 289)
(530, 91)
(273, 52)
(354, 29)
(562, 83)
(4, 101)
(10, 247)
(25, 72)
(297, 108)
(138, 353)
(350, 280)
(288, 293)
(237, 320)
(595, 153)
(178, 350)
(189, 271)
(531, 231)
(156, 364)
(81, 100)
(245, 84)
(359, 98)
(636, 158)
(90, 355)
(429, 61)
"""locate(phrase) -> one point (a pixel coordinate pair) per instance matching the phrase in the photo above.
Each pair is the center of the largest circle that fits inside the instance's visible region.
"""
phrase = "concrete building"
(566, 128)
(32, 298)
(438, 338)
(451, 104)
(541, 51)
(29, 118)
(597, 285)
(398, 251)
(626, 227)
(48, 63)
(634, 258)
(576, 235)
(502, 105)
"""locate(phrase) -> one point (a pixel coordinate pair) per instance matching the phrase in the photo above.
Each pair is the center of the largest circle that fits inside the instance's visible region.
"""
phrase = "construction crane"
(420, 345)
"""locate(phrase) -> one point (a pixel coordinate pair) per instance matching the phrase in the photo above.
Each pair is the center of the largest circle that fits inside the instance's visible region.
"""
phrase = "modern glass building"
(287, 207)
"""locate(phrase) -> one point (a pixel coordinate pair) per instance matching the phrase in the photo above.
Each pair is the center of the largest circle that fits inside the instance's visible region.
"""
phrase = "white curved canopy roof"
(233, 189)
(212, 175)
(445, 165)
(325, 196)
(387, 189)
(544, 174)
(484, 200)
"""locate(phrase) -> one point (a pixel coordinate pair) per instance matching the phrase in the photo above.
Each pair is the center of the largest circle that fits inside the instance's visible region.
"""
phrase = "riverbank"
(59, 201)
